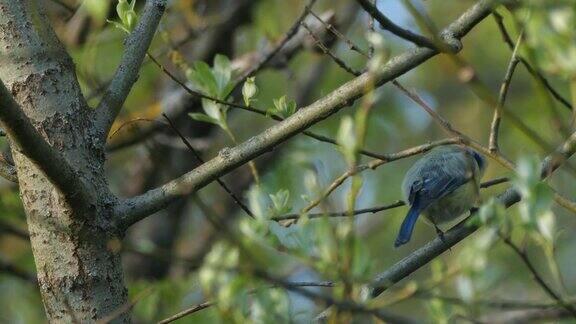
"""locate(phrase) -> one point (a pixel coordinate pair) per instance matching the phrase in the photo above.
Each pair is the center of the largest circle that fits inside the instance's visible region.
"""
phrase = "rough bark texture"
(79, 272)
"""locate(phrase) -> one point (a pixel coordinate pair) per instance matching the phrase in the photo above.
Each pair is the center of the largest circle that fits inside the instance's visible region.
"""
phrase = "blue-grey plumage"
(442, 185)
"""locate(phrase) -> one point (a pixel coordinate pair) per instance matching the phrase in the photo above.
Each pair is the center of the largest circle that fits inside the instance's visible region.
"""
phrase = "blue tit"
(442, 185)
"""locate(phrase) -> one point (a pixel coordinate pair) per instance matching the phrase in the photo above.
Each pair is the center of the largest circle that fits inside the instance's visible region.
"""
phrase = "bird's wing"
(433, 185)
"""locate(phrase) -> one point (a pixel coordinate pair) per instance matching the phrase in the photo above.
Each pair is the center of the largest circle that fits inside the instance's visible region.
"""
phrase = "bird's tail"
(407, 226)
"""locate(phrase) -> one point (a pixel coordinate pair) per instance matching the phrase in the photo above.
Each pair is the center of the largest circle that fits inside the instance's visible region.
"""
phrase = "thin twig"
(268, 57)
(494, 182)
(535, 73)
(537, 277)
(494, 128)
(128, 123)
(207, 304)
(338, 34)
(197, 155)
(347, 306)
(417, 99)
(328, 52)
(372, 30)
(395, 29)
(186, 312)
(371, 210)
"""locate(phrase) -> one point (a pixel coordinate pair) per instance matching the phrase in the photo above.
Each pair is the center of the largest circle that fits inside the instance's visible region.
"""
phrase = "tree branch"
(393, 28)
(137, 44)
(32, 145)
(338, 34)
(328, 52)
(198, 157)
(535, 73)
(134, 209)
(495, 126)
(371, 210)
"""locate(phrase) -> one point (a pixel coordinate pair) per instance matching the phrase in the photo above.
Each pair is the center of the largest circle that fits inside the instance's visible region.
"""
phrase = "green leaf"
(118, 25)
(203, 79)
(547, 225)
(131, 19)
(283, 107)
(537, 197)
(280, 202)
(222, 72)
(212, 109)
(280, 104)
(122, 8)
(226, 91)
(346, 138)
(249, 90)
(204, 118)
(291, 109)
(127, 14)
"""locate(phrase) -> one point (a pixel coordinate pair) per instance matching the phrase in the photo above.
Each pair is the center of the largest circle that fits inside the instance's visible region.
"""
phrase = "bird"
(442, 185)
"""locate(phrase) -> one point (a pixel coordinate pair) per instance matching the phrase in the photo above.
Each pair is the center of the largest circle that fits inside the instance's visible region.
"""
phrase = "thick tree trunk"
(79, 270)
